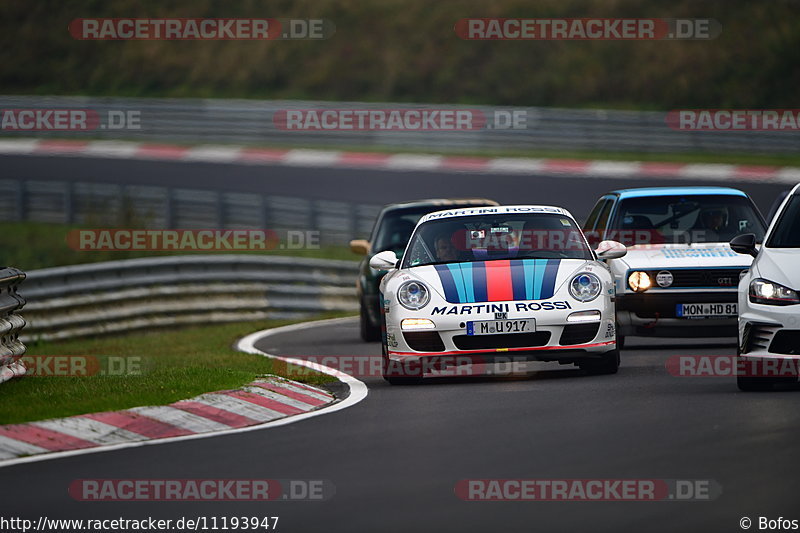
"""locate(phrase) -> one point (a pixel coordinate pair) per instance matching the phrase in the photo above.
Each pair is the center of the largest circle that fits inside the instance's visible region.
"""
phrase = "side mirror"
(745, 244)
(359, 246)
(610, 250)
(384, 260)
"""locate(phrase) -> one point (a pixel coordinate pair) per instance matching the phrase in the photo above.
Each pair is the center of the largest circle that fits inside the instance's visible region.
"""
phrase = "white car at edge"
(769, 300)
(486, 284)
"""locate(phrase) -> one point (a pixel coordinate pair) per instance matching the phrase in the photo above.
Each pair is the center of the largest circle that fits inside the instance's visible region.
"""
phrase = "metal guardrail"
(97, 204)
(251, 121)
(118, 296)
(11, 347)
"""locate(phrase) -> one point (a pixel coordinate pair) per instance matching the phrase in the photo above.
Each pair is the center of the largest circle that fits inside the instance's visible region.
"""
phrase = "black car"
(392, 230)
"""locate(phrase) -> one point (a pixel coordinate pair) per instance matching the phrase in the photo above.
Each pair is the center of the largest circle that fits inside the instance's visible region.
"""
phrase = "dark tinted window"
(590, 221)
(787, 229)
(602, 220)
(684, 219)
(501, 236)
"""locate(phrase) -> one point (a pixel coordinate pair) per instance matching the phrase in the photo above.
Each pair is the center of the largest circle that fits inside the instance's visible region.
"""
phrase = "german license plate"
(710, 310)
(495, 327)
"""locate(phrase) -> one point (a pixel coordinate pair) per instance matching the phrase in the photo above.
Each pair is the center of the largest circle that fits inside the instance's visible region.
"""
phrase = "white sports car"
(769, 301)
(483, 284)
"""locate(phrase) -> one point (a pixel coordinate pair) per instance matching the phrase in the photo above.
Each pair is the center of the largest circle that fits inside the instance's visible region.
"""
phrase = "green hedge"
(406, 50)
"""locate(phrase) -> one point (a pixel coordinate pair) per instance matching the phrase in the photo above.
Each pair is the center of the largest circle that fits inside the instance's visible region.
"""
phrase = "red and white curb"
(267, 402)
(401, 162)
(261, 401)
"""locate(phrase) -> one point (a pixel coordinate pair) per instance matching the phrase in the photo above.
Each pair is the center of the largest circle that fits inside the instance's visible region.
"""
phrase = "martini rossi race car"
(497, 284)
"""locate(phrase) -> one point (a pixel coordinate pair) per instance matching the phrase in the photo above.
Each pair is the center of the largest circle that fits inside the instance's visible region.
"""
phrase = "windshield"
(502, 236)
(787, 230)
(684, 219)
(396, 226)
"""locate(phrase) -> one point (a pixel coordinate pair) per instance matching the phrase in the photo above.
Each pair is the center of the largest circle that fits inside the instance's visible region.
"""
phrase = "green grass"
(32, 245)
(172, 365)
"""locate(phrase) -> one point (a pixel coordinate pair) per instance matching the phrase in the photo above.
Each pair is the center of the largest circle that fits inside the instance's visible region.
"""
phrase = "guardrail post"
(11, 347)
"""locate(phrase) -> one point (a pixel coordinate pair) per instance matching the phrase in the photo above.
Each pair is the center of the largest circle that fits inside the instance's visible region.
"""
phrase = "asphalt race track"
(395, 457)
(355, 185)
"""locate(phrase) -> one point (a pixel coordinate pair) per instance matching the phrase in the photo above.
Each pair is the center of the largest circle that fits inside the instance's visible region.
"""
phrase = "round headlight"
(639, 281)
(413, 295)
(585, 287)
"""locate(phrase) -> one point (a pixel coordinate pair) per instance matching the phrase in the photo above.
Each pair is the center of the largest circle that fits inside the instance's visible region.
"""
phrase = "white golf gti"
(680, 275)
(769, 297)
(488, 283)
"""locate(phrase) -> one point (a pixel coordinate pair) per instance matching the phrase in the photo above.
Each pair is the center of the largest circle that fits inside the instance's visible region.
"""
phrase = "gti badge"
(664, 278)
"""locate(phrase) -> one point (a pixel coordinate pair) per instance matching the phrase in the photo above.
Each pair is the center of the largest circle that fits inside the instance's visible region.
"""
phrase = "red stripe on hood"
(498, 281)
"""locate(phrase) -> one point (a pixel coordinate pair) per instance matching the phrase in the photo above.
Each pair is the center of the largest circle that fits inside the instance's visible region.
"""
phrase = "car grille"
(701, 277)
(509, 340)
(424, 341)
(786, 342)
(578, 333)
(650, 304)
(756, 336)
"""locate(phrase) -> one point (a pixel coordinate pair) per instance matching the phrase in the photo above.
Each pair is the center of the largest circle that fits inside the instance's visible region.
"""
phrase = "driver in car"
(713, 223)
(444, 248)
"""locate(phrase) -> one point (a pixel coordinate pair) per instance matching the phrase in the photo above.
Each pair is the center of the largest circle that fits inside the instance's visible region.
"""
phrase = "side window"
(602, 220)
(590, 221)
(597, 221)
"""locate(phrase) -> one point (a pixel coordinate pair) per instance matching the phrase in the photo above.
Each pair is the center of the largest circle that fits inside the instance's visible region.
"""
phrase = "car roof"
(495, 210)
(436, 202)
(675, 191)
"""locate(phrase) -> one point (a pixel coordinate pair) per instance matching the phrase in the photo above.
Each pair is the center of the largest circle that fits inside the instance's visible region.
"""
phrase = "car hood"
(487, 281)
(698, 255)
(779, 265)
